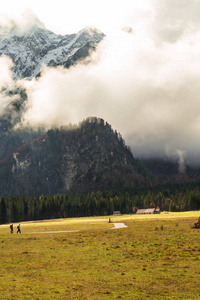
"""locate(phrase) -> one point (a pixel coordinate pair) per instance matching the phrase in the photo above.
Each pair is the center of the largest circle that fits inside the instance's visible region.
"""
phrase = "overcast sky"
(63, 16)
(146, 79)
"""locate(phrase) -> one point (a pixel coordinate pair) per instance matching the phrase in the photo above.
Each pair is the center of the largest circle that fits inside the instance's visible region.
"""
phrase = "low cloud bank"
(144, 81)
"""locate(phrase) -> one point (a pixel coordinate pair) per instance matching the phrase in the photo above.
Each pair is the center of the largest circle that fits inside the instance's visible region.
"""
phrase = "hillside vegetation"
(88, 157)
(167, 198)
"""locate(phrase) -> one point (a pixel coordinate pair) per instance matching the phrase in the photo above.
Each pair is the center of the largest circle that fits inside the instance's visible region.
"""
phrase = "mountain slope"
(36, 46)
(85, 158)
(170, 171)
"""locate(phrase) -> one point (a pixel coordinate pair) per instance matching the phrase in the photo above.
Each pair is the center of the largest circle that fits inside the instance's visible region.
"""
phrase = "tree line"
(170, 198)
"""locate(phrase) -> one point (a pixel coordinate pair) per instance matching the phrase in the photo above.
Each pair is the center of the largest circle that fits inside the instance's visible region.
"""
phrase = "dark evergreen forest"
(182, 197)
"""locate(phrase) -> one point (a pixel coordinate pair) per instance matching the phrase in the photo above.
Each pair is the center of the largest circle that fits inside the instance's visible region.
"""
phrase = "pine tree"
(3, 211)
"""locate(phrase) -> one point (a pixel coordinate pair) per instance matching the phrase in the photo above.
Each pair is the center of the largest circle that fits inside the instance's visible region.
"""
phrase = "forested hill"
(88, 157)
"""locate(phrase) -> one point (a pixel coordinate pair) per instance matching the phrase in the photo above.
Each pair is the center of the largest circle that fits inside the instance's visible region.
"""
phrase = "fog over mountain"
(143, 80)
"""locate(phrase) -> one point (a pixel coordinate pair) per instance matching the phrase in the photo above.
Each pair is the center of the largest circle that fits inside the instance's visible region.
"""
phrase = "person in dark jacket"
(11, 228)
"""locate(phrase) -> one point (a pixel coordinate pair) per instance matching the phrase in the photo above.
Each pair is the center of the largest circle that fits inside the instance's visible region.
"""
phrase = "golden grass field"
(155, 257)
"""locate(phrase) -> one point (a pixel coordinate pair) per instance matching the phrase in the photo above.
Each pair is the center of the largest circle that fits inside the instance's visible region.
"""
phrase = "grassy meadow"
(155, 257)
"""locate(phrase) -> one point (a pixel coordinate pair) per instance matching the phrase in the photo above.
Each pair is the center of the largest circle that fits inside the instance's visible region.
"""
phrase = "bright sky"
(63, 16)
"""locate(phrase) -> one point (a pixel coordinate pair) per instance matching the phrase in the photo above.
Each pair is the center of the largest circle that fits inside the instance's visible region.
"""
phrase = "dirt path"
(119, 225)
(116, 226)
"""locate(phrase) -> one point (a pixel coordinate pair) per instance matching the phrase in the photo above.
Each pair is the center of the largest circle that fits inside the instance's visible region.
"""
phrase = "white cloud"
(175, 18)
(147, 92)
(6, 82)
(145, 84)
(6, 73)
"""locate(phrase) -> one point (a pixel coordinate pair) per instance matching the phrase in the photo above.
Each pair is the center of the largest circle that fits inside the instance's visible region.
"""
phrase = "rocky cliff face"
(85, 158)
(36, 46)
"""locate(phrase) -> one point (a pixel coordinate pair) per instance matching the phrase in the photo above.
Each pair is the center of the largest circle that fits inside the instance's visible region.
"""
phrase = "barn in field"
(117, 213)
(148, 211)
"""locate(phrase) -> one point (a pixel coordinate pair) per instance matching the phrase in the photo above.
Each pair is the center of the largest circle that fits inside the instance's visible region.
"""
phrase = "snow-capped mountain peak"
(33, 45)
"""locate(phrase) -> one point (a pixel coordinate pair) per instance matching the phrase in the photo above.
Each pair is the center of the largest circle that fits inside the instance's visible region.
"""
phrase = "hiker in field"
(18, 229)
(11, 228)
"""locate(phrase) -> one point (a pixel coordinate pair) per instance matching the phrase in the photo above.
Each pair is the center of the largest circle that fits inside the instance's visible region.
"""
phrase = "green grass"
(155, 257)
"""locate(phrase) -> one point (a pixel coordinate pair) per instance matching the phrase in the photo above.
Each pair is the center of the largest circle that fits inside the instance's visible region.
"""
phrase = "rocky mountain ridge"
(36, 46)
(88, 157)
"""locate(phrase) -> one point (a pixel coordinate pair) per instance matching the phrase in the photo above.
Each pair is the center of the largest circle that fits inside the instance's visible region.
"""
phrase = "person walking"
(11, 228)
(18, 229)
